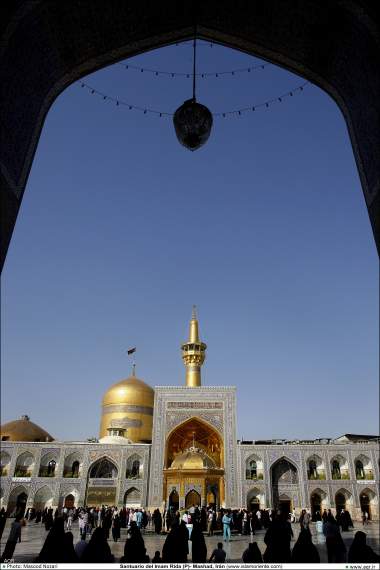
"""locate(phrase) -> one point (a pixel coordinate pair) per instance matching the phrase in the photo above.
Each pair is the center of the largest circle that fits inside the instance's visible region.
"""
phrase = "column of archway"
(356, 509)
(57, 476)
(83, 479)
(268, 482)
(37, 454)
(61, 463)
(120, 488)
(8, 488)
(12, 464)
(376, 465)
(304, 483)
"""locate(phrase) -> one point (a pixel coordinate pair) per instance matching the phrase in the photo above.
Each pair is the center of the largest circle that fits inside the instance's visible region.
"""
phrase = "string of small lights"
(201, 43)
(220, 114)
(202, 75)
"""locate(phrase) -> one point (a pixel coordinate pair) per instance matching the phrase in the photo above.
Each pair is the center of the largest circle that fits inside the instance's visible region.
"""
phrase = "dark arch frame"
(100, 462)
(334, 45)
(193, 493)
(275, 485)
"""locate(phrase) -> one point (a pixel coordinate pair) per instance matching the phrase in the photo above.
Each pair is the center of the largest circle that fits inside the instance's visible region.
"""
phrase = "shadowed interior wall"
(47, 45)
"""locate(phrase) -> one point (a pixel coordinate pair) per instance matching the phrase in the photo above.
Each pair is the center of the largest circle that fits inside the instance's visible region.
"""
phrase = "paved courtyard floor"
(33, 536)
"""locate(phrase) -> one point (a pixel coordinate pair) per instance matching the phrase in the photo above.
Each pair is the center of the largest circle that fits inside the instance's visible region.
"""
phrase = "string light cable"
(220, 114)
(202, 75)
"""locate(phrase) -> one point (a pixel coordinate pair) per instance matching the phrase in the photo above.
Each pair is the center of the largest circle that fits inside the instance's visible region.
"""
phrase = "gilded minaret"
(193, 354)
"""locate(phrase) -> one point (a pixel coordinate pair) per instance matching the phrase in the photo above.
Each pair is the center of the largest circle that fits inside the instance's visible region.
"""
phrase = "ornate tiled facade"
(194, 455)
(244, 485)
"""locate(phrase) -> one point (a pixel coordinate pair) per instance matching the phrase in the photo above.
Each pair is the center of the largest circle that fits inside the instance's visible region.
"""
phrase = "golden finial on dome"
(193, 353)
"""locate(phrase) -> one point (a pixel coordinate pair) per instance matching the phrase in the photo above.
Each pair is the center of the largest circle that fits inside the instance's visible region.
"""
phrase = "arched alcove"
(339, 467)
(5, 461)
(363, 467)
(255, 499)
(285, 490)
(254, 467)
(369, 503)
(103, 468)
(48, 465)
(24, 465)
(43, 498)
(315, 467)
(72, 465)
(17, 500)
(343, 500)
(194, 431)
(132, 497)
(134, 468)
(318, 503)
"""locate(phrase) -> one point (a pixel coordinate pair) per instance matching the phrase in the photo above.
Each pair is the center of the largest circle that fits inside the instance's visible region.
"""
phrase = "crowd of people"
(98, 526)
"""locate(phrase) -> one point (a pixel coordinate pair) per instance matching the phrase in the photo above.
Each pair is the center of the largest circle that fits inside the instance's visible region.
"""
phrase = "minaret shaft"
(193, 354)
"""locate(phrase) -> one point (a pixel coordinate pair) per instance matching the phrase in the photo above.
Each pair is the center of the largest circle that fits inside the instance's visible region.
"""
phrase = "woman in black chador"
(3, 520)
(252, 554)
(304, 550)
(69, 553)
(134, 549)
(176, 547)
(97, 550)
(360, 552)
(54, 548)
(157, 521)
(49, 519)
(198, 548)
(277, 538)
(116, 528)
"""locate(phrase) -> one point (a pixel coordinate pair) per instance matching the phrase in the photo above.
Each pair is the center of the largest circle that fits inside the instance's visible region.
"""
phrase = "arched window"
(51, 468)
(24, 465)
(135, 471)
(359, 469)
(5, 460)
(103, 469)
(336, 469)
(75, 469)
(252, 469)
(134, 467)
(313, 473)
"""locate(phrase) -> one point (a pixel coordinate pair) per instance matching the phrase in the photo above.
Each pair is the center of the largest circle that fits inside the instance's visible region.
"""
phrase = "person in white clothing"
(69, 520)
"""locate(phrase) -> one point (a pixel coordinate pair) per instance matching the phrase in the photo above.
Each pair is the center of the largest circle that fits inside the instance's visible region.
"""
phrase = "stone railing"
(70, 475)
(130, 475)
(319, 476)
(251, 477)
(45, 472)
(342, 475)
(367, 475)
(22, 472)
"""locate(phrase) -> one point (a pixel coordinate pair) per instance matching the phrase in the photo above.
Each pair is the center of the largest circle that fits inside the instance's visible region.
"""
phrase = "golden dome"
(192, 458)
(128, 404)
(132, 390)
(23, 430)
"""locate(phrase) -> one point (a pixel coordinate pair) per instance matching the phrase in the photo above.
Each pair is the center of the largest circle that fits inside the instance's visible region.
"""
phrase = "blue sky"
(265, 229)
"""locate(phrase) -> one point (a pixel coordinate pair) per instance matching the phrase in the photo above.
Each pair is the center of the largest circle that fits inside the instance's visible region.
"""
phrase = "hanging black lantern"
(192, 123)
